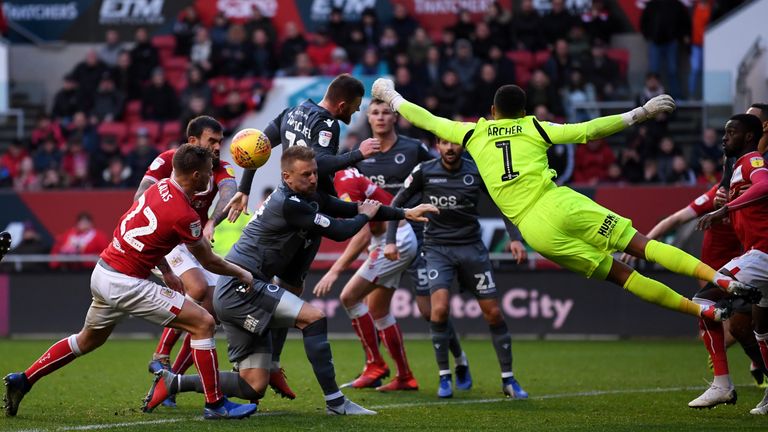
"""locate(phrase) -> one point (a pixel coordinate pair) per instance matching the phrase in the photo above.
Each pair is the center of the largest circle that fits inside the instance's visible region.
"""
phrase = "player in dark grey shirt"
(294, 214)
(453, 248)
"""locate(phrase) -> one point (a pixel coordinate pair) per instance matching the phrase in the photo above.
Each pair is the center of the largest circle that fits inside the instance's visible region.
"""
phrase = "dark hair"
(763, 110)
(752, 124)
(509, 101)
(189, 158)
(199, 124)
(84, 215)
(345, 88)
(294, 153)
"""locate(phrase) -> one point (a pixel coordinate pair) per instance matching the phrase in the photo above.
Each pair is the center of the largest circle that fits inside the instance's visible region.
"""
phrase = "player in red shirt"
(198, 283)
(748, 211)
(377, 279)
(161, 218)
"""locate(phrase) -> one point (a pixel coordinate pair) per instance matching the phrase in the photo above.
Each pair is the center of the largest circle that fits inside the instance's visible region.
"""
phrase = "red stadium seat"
(162, 42)
(132, 112)
(522, 76)
(540, 58)
(620, 56)
(522, 59)
(176, 63)
(171, 132)
(152, 128)
(116, 130)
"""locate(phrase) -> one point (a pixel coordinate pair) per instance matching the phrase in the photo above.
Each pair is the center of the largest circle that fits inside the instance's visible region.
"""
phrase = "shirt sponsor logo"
(322, 221)
(250, 323)
(606, 228)
(757, 162)
(469, 179)
(157, 163)
(438, 180)
(195, 228)
(325, 138)
(399, 158)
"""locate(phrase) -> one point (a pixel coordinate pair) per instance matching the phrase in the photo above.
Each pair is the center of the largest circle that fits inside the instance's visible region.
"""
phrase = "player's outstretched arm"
(356, 246)
(446, 129)
(218, 265)
(145, 184)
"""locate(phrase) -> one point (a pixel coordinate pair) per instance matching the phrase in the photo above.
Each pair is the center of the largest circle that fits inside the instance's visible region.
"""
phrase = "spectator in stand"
(578, 43)
(527, 28)
(27, 178)
(302, 67)
(702, 11)
(371, 65)
(598, 22)
(390, 46)
(603, 72)
(681, 175)
(369, 24)
(579, 92)
(31, 244)
(464, 26)
(482, 40)
(406, 86)
(229, 58)
(402, 22)
(232, 113)
(499, 21)
(257, 98)
(559, 156)
(338, 29)
(47, 156)
(259, 22)
(355, 47)
(434, 68)
(293, 44)
(592, 162)
(195, 107)
(339, 63)
(159, 102)
(184, 30)
(710, 147)
(200, 51)
(74, 164)
(465, 64)
(664, 24)
(197, 86)
(557, 23)
(100, 158)
(111, 49)
(261, 55)
(51, 179)
(709, 174)
(126, 77)
(109, 102)
(320, 49)
(139, 159)
(67, 101)
(450, 94)
(116, 175)
(11, 161)
(558, 67)
(143, 55)
(632, 167)
(657, 127)
(45, 128)
(541, 92)
(481, 92)
(505, 68)
(219, 29)
(88, 73)
(447, 44)
(82, 239)
(665, 157)
(84, 131)
(418, 46)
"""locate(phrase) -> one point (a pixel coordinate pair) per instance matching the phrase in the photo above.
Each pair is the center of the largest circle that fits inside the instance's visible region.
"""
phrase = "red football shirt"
(355, 187)
(750, 223)
(162, 167)
(155, 224)
(720, 243)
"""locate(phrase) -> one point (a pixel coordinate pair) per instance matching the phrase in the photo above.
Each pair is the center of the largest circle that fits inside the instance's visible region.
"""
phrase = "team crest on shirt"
(167, 292)
(325, 138)
(250, 324)
(469, 179)
(433, 274)
(157, 163)
(195, 228)
(322, 221)
(757, 162)
(176, 261)
(399, 158)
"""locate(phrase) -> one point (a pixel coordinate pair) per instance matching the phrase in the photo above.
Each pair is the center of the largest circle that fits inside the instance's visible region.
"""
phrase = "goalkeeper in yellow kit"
(563, 225)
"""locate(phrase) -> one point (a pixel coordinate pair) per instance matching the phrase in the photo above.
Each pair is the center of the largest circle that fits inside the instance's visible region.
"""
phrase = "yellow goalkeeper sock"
(678, 261)
(656, 292)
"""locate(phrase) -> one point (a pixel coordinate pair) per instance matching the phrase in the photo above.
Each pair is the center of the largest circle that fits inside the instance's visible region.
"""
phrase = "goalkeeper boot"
(714, 396)
(16, 386)
(445, 388)
(512, 388)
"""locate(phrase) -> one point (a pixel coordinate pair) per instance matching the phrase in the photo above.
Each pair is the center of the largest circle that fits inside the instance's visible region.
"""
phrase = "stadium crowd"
(124, 103)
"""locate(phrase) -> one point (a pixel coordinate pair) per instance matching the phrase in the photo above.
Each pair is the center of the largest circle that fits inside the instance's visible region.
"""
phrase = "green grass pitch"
(586, 386)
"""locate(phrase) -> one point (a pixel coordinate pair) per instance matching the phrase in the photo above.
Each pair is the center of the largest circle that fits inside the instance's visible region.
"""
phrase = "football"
(250, 148)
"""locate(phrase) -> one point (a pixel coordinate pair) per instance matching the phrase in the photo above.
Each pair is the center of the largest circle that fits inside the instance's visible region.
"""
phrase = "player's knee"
(439, 312)
(348, 299)
(308, 315)
(206, 325)
(425, 307)
(493, 316)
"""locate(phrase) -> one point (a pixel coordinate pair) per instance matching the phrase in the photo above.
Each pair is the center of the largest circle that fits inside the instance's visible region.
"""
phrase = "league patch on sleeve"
(325, 138)
(701, 200)
(322, 221)
(230, 170)
(345, 197)
(195, 228)
(757, 162)
(157, 163)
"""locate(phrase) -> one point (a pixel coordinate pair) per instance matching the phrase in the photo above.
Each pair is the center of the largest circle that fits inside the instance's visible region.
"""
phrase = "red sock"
(713, 336)
(366, 331)
(763, 351)
(167, 341)
(184, 357)
(57, 356)
(393, 340)
(207, 364)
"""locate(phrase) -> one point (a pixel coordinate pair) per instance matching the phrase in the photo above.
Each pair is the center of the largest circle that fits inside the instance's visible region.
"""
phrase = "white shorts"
(383, 272)
(116, 296)
(751, 268)
(181, 260)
